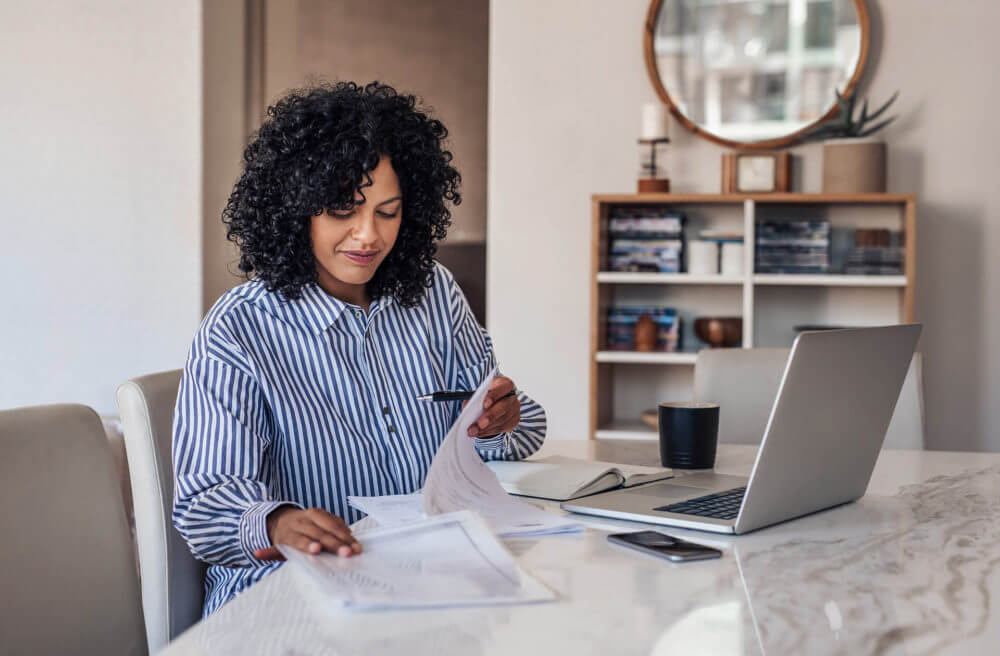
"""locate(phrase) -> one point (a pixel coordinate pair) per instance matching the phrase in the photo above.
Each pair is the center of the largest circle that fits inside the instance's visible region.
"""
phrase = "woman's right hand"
(312, 530)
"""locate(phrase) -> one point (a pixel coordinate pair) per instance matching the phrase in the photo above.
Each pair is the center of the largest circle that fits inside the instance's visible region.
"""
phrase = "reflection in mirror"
(749, 71)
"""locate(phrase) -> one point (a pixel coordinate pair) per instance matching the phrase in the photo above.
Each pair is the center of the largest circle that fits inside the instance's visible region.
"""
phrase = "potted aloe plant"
(853, 160)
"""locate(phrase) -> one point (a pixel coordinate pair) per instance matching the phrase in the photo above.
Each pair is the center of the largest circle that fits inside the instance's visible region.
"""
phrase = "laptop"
(819, 447)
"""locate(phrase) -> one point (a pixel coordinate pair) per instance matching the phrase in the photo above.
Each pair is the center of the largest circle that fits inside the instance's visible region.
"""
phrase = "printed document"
(458, 479)
(446, 560)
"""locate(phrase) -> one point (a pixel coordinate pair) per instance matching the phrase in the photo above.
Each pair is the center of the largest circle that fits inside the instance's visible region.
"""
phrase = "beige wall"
(261, 48)
(436, 50)
(567, 80)
(224, 130)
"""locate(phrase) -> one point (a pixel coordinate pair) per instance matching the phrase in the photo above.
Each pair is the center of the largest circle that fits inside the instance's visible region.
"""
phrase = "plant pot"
(854, 166)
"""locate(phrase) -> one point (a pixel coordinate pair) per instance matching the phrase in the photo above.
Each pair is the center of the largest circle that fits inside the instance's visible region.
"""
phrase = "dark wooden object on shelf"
(645, 333)
(719, 332)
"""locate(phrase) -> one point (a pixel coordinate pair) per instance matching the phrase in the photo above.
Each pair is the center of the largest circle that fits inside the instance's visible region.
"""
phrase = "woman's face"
(349, 245)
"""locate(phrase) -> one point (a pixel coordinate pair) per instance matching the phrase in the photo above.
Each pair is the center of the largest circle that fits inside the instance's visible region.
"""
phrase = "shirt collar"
(315, 310)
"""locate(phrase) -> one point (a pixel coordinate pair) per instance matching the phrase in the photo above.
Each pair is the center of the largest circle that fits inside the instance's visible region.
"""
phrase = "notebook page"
(633, 474)
(554, 480)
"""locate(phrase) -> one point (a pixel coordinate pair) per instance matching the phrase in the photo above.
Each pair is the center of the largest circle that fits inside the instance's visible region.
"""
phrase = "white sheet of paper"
(392, 509)
(446, 560)
(526, 522)
(458, 479)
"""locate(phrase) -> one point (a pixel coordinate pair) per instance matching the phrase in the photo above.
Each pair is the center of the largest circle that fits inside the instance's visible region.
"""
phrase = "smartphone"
(664, 546)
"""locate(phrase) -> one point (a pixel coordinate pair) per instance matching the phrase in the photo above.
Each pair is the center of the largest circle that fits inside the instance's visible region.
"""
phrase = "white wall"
(567, 80)
(100, 195)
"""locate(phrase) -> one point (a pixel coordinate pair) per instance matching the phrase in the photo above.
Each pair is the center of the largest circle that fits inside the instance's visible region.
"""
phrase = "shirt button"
(385, 410)
(357, 314)
(391, 429)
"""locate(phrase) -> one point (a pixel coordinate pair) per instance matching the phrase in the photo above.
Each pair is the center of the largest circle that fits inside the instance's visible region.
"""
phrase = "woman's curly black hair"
(315, 149)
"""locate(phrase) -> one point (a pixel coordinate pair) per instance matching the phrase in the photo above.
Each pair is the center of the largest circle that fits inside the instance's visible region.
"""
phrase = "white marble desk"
(912, 568)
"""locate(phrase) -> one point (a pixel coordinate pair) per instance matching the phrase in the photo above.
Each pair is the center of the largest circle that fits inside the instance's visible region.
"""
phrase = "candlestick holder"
(649, 180)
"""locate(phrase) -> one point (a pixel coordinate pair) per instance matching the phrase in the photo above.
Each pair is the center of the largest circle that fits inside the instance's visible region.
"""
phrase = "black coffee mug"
(689, 432)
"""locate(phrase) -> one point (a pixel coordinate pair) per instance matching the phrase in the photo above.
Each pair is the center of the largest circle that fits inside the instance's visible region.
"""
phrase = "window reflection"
(751, 70)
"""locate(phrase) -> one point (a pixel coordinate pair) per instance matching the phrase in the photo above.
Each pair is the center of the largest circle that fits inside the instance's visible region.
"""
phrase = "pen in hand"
(455, 396)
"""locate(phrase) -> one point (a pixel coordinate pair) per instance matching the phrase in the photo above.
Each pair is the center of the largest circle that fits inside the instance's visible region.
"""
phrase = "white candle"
(654, 121)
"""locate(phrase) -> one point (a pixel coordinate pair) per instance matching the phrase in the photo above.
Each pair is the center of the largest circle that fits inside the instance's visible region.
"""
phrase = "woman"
(299, 389)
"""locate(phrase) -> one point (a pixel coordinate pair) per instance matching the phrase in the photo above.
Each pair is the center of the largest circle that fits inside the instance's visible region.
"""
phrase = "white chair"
(69, 580)
(745, 382)
(172, 579)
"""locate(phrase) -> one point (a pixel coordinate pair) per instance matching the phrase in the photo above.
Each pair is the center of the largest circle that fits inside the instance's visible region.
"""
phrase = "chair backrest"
(745, 383)
(172, 579)
(67, 566)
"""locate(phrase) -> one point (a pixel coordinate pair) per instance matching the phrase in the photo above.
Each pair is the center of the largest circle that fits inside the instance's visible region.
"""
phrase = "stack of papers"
(458, 479)
(447, 560)
(439, 547)
(506, 520)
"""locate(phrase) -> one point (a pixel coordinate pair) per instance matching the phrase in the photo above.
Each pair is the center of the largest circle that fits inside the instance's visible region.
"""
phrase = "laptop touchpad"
(669, 491)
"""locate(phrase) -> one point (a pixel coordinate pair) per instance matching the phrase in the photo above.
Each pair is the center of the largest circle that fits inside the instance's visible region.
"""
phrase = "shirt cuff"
(493, 448)
(253, 527)
(490, 443)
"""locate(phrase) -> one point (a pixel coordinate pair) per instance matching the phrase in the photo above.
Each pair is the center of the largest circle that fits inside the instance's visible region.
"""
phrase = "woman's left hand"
(499, 415)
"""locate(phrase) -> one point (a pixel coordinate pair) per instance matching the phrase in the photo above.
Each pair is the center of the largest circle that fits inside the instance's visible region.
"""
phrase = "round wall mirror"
(754, 73)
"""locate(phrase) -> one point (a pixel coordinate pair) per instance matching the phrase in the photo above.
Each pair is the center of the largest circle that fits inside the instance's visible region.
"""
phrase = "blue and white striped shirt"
(308, 401)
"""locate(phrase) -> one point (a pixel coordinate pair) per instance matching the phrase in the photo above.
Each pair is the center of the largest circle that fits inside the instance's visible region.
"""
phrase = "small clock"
(755, 172)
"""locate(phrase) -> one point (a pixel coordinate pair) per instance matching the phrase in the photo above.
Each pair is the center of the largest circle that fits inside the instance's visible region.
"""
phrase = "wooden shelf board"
(831, 280)
(716, 199)
(639, 357)
(623, 430)
(625, 277)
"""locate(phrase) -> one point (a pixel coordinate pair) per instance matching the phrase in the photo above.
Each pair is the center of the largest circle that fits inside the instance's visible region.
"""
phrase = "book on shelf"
(622, 322)
(876, 252)
(561, 479)
(656, 255)
(795, 247)
(880, 261)
(645, 239)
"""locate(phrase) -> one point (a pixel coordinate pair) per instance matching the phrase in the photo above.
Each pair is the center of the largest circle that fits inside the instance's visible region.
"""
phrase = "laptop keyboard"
(721, 505)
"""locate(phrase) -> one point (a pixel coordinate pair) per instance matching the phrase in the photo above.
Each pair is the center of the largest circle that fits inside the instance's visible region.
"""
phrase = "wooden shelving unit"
(764, 299)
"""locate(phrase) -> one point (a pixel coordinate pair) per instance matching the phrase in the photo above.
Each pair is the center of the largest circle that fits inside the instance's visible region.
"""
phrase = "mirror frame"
(779, 142)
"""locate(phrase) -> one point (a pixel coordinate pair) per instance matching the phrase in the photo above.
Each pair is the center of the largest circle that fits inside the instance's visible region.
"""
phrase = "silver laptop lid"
(828, 421)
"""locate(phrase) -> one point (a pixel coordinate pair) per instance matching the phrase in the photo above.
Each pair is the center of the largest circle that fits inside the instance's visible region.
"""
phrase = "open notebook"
(561, 479)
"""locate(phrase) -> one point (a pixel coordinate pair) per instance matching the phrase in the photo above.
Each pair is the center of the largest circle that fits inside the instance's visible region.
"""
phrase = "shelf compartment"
(647, 357)
(622, 430)
(830, 280)
(768, 198)
(622, 383)
(625, 277)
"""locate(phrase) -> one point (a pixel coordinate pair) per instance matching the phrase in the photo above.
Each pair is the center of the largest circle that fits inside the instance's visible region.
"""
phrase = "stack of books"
(793, 247)
(645, 239)
(876, 252)
(622, 322)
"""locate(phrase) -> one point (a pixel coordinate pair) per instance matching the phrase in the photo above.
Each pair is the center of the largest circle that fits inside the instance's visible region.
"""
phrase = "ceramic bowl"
(719, 332)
